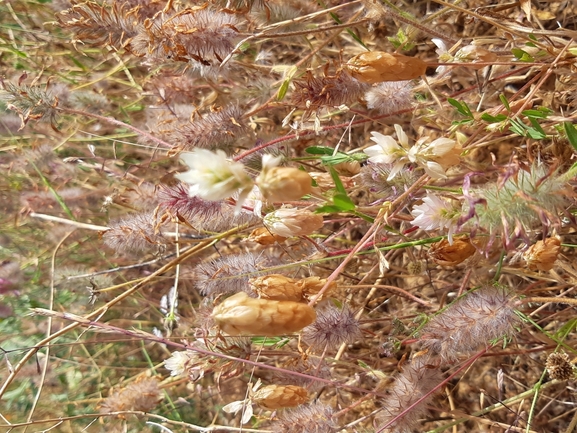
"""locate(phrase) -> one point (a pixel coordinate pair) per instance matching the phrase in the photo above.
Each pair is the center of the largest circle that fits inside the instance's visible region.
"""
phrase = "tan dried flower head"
(559, 366)
(263, 236)
(141, 395)
(445, 254)
(541, 256)
(377, 66)
(313, 92)
(242, 315)
(274, 397)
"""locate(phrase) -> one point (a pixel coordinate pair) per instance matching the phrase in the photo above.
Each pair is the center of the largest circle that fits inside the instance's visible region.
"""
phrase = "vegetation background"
(447, 275)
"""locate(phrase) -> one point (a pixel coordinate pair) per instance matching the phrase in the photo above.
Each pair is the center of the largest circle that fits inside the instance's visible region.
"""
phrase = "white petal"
(269, 161)
(403, 139)
(435, 170)
(377, 155)
(385, 141)
(440, 146)
(247, 415)
(233, 407)
(395, 170)
(440, 44)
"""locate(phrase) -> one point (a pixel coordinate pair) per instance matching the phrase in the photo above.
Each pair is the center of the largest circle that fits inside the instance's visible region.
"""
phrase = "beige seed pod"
(282, 288)
(242, 315)
(277, 287)
(263, 236)
(284, 183)
(542, 255)
(313, 285)
(445, 254)
(377, 66)
(289, 222)
(273, 397)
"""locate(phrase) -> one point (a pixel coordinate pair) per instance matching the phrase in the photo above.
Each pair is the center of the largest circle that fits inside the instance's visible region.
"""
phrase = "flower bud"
(282, 183)
(290, 222)
(542, 255)
(377, 66)
(445, 254)
(242, 315)
(274, 397)
(264, 237)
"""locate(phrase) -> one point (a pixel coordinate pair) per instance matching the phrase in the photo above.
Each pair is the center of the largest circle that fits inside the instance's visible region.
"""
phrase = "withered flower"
(263, 236)
(541, 256)
(242, 315)
(274, 397)
(445, 254)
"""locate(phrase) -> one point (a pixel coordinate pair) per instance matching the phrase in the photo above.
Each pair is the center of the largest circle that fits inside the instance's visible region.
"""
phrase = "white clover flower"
(213, 176)
(389, 151)
(244, 405)
(289, 222)
(177, 362)
(436, 213)
(399, 153)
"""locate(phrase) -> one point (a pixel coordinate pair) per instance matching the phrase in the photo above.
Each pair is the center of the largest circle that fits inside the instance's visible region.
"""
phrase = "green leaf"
(283, 89)
(571, 134)
(328, 209)
(505, 102)
(493, 119)
(461, 107)
(521, 55)
(285, 84)
(320, 150)
(343, 202)
(537, 131)
(337, 180)
(540, 113)
(334, 160)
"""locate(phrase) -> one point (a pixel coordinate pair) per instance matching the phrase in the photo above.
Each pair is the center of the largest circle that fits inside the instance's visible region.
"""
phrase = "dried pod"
(242, 315)
(313, 285)
(277, 287)
(542, 255)
(445, 254)
(264, 237)
(280, 396)
(289, 222)
(377, 66)
(284, 184)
